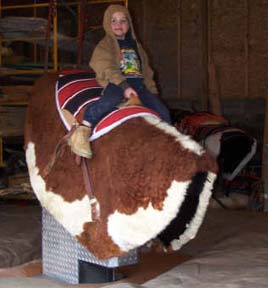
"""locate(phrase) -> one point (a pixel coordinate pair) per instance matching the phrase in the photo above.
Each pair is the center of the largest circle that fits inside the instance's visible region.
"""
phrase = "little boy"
(122, 68)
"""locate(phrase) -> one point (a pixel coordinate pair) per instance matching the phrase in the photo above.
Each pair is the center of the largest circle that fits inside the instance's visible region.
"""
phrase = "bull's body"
(141, 175)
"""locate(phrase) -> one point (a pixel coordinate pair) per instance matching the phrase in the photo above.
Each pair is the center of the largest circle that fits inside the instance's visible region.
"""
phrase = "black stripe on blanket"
(80, 100)
(63, 80)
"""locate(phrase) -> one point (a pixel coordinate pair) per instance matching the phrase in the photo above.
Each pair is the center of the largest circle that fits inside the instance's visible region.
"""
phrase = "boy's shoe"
(79, 141)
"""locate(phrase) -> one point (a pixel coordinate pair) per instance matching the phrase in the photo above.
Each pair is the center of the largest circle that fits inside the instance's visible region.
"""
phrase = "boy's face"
(119, 24)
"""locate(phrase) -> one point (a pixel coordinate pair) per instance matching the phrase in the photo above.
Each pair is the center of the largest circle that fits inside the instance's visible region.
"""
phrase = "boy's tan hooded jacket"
(105, 60)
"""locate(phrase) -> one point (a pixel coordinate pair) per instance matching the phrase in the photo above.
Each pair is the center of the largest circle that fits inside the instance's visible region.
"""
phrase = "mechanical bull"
(151, 182)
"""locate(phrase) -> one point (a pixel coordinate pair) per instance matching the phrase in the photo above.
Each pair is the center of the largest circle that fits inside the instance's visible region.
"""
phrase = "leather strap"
(57, 151)
(95, 210)
(86, 177)
(88, 186)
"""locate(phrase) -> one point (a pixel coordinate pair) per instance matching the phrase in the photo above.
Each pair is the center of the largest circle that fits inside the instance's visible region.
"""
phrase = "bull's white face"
(127, 231)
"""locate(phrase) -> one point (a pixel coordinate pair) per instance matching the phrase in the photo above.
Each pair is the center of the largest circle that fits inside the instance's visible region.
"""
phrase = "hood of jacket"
(107, 19)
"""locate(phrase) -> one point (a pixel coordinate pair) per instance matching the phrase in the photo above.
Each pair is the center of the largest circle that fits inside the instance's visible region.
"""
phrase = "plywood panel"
(191, 50)
(228, 45)
(12, 121)
(258, 61)
(161, 43)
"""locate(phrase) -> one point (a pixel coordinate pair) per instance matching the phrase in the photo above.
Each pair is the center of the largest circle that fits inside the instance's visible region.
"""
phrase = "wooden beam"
(73, 3)
(179, 49)
(206, 51)
(265, 156)
(214, 90)
(265, 138)
(144, 27)
(212, 100)
(246, 47)
(2, 164)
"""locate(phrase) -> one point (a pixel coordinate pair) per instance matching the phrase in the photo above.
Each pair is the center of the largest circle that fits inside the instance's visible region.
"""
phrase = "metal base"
(91, 273)
(65, 259)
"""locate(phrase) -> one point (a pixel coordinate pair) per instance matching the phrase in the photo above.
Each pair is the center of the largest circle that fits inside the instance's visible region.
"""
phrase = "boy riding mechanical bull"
(122, 69)
(148, 181)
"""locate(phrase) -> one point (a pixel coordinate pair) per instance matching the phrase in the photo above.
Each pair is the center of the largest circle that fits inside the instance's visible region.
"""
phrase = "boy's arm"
(106, 67)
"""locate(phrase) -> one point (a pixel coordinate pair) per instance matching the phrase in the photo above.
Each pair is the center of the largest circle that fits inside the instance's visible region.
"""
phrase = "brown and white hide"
(142, 175)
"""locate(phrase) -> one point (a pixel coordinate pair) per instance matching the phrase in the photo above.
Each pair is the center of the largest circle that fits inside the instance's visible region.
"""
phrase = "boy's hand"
(130, 92)
(131, 98)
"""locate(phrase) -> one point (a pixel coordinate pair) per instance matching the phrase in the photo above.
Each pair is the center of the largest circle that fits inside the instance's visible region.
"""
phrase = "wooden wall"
(183, 36)
(239, 46)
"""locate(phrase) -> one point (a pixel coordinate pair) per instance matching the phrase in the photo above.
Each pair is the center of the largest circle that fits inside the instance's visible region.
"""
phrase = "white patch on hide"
(197, 220)
(130, 231)
(72, 215)
(186, 141)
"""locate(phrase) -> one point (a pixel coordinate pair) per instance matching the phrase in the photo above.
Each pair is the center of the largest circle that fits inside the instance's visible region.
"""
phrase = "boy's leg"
(112, 96)
(79, 140)
(153, 102)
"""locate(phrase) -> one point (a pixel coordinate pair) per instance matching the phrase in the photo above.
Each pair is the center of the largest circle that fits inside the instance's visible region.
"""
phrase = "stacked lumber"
(15, 94)
(12, 121)
(19, 187)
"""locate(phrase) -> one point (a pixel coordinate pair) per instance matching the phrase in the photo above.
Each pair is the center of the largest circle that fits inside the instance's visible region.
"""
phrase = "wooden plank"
(246, 47)
(206, 51)
(265, 140)
(213, 100)
(265, 156)
(179, 50)
(144, 22)
(214, 90)
(12, 121)
(2, 164)
(17, 93)
(14, 103)
(18, 179)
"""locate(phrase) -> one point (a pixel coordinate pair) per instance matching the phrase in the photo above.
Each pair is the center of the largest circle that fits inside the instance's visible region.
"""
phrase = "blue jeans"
(114, 95)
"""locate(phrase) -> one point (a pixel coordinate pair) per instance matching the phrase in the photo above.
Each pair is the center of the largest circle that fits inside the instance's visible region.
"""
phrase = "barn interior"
(209, 59)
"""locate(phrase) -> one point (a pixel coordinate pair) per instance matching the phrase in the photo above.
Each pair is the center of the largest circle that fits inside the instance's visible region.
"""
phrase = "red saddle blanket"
(75, 89)
(119, 116)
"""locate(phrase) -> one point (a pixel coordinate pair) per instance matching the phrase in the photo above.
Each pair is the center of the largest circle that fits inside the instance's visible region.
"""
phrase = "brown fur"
(133, 165)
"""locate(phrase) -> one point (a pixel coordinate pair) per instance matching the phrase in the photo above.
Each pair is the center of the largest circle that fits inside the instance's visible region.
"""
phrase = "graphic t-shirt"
(130, 63)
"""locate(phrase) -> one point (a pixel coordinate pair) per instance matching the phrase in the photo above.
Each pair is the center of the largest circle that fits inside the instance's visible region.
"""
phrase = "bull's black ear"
(187, 210)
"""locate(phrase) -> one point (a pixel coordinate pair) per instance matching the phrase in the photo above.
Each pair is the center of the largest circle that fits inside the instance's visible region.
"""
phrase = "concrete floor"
(151, 264)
